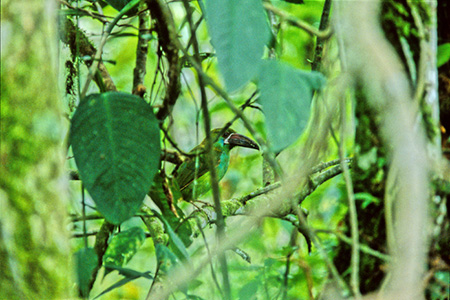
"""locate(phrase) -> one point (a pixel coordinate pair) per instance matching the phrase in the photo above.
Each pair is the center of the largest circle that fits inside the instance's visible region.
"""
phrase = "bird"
(193, 176)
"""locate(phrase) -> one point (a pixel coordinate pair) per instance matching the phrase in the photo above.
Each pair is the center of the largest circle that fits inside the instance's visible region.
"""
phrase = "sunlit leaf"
(123, 246)
(443, 55)
(116, 145)
(239, 31)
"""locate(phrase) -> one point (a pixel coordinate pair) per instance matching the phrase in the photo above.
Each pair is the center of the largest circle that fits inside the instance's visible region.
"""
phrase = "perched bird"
(196, 167)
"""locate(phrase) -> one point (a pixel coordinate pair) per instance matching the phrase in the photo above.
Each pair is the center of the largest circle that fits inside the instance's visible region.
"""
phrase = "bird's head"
(233, 139)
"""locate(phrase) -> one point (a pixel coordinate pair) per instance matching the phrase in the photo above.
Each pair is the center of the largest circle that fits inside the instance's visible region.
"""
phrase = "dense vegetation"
(339, 187)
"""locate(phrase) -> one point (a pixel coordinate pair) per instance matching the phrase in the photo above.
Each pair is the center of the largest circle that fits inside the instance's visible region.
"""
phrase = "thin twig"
(363, 248)
(292, 245)
(298, 23)
(317, 242)
(322, 166)
(98, 54)
(354, 275)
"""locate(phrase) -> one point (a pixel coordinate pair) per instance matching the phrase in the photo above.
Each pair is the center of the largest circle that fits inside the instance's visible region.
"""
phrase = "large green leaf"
(116, 145)
(123, 247)
(86, 261)
(286, 94)
(239, 31)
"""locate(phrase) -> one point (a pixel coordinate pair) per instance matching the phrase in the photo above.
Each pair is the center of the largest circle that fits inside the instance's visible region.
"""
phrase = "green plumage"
(193, 175)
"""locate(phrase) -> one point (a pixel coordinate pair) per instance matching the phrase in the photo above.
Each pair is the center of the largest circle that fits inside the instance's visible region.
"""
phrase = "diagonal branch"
(167, 34)
(323, 34)
(77, 41)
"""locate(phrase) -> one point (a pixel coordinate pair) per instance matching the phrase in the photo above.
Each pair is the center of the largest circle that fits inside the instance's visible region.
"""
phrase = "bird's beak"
(236, 139)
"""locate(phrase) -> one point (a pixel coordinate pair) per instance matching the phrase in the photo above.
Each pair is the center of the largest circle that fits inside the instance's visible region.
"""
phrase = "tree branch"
(167, 38)
(140, 69)
(77, 41)
(323, 34)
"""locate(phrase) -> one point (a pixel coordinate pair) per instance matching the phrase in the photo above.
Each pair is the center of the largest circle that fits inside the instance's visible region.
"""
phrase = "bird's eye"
(227, 133)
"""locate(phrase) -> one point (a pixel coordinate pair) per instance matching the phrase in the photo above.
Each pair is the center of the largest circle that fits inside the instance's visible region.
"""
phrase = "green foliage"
(86, 261)
(116, 145)
(122, 247)
(239, 32)
(286, 95)
(443, 55)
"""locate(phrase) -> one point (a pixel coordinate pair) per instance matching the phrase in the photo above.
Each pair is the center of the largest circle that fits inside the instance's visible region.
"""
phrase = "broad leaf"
(86, 261)
(239, 31)
(116, 145)
(286, 95)
(123, 247)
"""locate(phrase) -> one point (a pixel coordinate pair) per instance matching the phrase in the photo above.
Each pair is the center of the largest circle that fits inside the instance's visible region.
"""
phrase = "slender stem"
(213, 273)
(320, 248)
(83, 212)
(363, 248)
(324, 21)
(209, 155)
(354, 277)
(292, 244)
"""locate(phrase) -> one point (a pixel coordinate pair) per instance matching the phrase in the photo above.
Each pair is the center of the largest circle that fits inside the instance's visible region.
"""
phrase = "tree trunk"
(34, 243)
